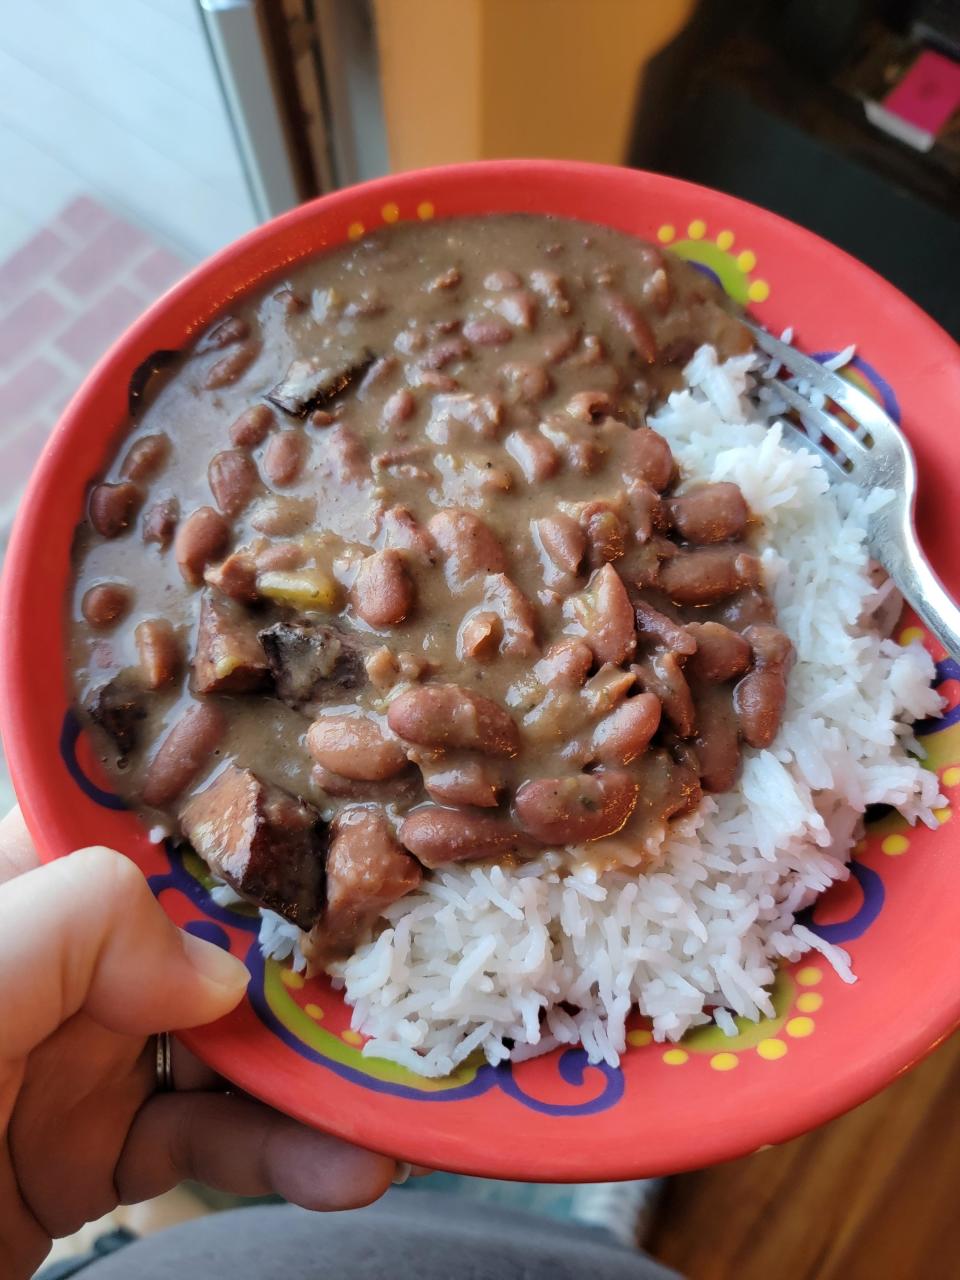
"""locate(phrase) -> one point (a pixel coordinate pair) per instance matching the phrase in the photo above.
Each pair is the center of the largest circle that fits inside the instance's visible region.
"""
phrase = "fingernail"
(402, 1174)
(215, 964)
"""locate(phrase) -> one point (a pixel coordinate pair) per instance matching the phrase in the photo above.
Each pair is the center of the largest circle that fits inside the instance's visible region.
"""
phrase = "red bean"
(468, 545)
(401, 529)
(443, 353)
(354, 746)
(604, 613)
(591, 406)
(487, 333)
(525, 382)
(279, 516)
(576, 808)
(251, 428)
(518, 308)
(716, 744)
(648, 456)
(201, 538)
(656, 628)
(565, 665)
(105, 604)
(448, 279)
(563, 547)
(709, 513)
(113, 507)
(233, 477)
(662, 674)
(535, 455)
(703, 576)
(231, 366)
(759, 700)
(461, 779)
(518, 621)
(497, 281)
(284, 457)
(439, 836)
(479, 636)
(158, 651)
(447, 716)
(626, 732)
(160, 521)
(145, 457)
(383, 594)
(351, 461)
(549, 285)
(398, 408)
(183, 753)
(635, 325)
(605, 531)
(236, 577)
(230, 330)
(721, 653)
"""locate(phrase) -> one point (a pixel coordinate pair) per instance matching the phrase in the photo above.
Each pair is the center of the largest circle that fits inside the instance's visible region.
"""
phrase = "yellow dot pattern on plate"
(951, 776)
(942, 815)
(390, 212)
(351, 1037)
(747, 260)
(800, 1027)
(758, 291)
(675, 1057)
(724, 240)
(909, 634)
(292, 980)
(809, 1002)
(724, 1061)
(771, 1049)
(639, 1038)
(313, 1011)
(697, 229)
(810, 976)
(425, 210)
(893, 846)
(666, 233)
(355, 230)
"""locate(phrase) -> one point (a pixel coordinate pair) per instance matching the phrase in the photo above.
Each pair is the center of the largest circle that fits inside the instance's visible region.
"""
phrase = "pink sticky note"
(928, 94)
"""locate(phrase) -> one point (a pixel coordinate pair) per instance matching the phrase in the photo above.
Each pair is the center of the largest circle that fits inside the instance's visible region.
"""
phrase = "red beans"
(487, 333)
(709, 513)
(462, 779)
(656, 628)
(280, 516)
(591, 406)
(701, 577)
(158, 651)
(440, 836)
(401, 529)
(605, 616)
(113, 507)
(635, 325)
(183, 753)
(232, 366)
(233, 477)
(525, 382)
(649, 458)
(201, 538)
(284, 457)
(383, 594)
(354, 746)
(398, 408)
(605, 531)
(448, 716)
(626, 732)
(563, 546)
(468, 545)
(351, 461)
(518, 308)
(146, 457)
(535, 455)
(759, 699)
(105, 604)
(721, 654)
(576, 808)
(160, 522)
(251, 428)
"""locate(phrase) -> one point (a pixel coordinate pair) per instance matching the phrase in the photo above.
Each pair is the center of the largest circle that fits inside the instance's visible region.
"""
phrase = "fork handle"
(910, 569)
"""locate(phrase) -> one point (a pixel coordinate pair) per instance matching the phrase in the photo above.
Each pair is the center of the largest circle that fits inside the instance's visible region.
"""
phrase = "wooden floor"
(873, 1196)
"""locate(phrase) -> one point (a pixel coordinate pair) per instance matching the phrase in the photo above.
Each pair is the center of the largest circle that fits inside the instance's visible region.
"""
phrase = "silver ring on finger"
(164, 1063)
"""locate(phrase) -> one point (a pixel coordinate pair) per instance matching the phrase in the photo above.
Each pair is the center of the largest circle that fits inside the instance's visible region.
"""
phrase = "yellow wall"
(473, 79)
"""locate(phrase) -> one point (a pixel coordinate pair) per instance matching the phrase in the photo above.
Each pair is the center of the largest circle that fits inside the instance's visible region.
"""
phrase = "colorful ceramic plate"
(830, 1046)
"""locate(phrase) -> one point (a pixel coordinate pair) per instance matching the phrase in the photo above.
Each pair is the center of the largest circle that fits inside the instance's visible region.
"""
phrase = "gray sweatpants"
(424, 1234)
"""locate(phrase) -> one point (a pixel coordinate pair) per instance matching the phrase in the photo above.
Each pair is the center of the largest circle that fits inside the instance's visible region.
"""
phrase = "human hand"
(90, 970)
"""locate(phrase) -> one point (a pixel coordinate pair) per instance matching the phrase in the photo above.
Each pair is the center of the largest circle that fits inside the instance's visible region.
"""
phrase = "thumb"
(85, 932)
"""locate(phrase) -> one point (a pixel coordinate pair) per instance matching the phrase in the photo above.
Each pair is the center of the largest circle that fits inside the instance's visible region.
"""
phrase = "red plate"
(830, 1046)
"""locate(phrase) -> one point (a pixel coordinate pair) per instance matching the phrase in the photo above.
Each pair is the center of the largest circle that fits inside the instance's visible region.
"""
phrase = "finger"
(242, 1147)
(189, 1073)
(85, 932)
(17, 852)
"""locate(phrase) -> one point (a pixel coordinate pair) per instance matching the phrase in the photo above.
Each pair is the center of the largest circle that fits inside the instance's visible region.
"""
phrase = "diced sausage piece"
(468, 545)
(105, 604)
(202, 538)
(351, 461)
(251, 428)
(449, 717)
(709, 513)
(438, 836)
(459, 778)
(402, 530)
(383, 594)
(113, 507)
(158, 651)
(579, 807)
(146, 457)
(236, 577)
(266, 844)
(232, 476)
(717, 743)
(537, 458)
(605, 532)
(479, 635)
(761, 696)
(703, 576)
(656, 628)
(312, 664)
(117, 707)
(634, 324)
(662, 675)
(367, 870)
(160, 521)
(565, 665)
(604, 616)
(525, 382)
(626, 732)
(314, 382)
(184, 751)
(721, 653)
(487, 333)
(231, 366)
(355, 747)
(229, 658)
(518, 621)
(398, 408)
(562, 545)
(649, 458)
(518, 308)
(284, 457)
(280, 515)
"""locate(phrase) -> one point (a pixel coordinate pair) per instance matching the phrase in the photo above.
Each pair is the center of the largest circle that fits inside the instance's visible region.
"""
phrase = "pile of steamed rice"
(491, 960)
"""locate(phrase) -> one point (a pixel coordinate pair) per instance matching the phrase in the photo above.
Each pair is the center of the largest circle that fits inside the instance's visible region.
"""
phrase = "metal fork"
(874, 454)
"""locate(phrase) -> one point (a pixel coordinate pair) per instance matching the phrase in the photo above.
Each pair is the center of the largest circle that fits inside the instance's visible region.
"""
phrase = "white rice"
(476, 956)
